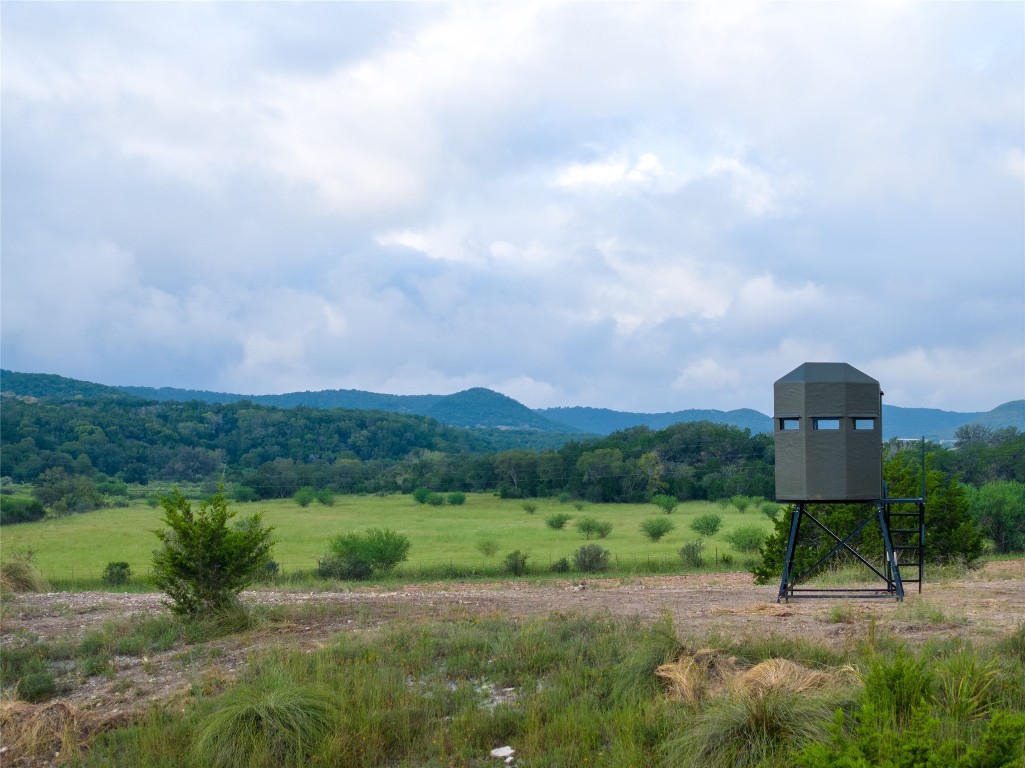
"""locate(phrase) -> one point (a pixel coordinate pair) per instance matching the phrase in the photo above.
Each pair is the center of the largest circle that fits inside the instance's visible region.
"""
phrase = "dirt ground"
(983, 605)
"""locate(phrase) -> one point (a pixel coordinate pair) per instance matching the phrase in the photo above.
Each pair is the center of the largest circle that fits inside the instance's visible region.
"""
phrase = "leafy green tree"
(999, 510)
(203, 563)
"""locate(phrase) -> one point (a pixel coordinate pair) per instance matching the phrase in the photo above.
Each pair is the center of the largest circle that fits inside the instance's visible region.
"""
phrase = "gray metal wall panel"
(828, 465)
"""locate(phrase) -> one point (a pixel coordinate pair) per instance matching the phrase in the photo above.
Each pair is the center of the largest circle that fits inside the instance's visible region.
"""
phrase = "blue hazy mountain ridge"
(481, 408)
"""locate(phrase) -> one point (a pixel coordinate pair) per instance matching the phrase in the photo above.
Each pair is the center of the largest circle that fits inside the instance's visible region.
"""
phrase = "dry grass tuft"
(692, 678)
(56, 729)
(18, 575)
(781, 675)
(40, 730)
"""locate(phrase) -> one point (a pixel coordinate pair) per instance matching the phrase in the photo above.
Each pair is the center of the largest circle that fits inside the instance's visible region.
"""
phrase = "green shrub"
(456, 498)
(117, 573)
(657, 527)
(420, 495)
(558, 521)
(305, 496)
(529, 507)
(269, 572)
(20, 511)
(742, 502)
(564, 498)
(771, 510)
(344, 569)
(591, 558)
(326, 497)
(746, 538)
(690, 554)
(590, 526)
(271, 723)
(355, 556)
(203, 563)
(896, 687)
(560, 566)
(36, 687)
(665, 502)
(241, 493)
(516, 563)
(707, 524)
(487, 547)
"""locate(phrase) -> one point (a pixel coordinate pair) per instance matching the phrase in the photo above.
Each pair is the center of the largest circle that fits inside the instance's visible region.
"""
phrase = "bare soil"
(982, 606)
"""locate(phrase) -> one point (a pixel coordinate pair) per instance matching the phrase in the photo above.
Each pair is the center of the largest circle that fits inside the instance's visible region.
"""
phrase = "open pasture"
(76, 548)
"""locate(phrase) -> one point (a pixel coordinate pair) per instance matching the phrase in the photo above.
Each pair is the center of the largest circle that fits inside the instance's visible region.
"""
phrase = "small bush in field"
(690, 554)
(589, 526)
(706, 525)
(657, 527)
(591, 558)
(436, 500)
(665, 502)
(564, 498)
(36, 687)
(770, 510)
(746, 538)
(326, 497)
(305, 496)
(457, 498)
(742, 502)
(420, 495)
(558, 521)
(487, 547)
(529, 507)
(117, 574)
(516, 563)
(379, 548)
(560, 566)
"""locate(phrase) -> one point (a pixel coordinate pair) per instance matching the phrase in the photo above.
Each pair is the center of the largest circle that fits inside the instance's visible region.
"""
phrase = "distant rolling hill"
(485, 409)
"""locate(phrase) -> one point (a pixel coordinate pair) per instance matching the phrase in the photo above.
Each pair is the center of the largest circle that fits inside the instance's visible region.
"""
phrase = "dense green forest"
(275, 451)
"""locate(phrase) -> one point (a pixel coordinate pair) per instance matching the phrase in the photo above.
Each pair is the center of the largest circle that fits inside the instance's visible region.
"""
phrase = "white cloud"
(618, 205)
(615, 174)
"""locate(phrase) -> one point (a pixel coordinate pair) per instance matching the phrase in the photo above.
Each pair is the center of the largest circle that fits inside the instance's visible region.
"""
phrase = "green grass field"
(77, 548)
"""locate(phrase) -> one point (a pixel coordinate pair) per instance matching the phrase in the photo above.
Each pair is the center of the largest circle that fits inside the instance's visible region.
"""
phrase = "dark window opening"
(825, 424)
(789, 425)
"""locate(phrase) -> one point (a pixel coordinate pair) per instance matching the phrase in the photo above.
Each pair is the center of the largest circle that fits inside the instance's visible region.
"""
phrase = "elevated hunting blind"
(828, 427)
(829, 440)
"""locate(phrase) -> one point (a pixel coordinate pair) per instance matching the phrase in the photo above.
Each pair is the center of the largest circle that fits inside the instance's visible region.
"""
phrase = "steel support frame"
(788, 589)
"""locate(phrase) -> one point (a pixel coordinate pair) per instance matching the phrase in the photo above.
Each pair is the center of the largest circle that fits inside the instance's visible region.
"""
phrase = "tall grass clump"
(764, 715)
(270, 722)
(18, 574)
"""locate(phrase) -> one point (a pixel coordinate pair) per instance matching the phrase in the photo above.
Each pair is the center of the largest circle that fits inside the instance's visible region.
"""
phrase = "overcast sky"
(639, 207)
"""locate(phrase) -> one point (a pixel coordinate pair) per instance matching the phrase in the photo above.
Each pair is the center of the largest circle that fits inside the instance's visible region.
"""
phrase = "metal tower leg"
(895, 584)
(788, 561)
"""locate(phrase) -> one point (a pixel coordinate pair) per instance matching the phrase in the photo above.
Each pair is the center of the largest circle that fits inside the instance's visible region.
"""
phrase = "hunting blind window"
(789, 424)
(823, 424)
(868, 424)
